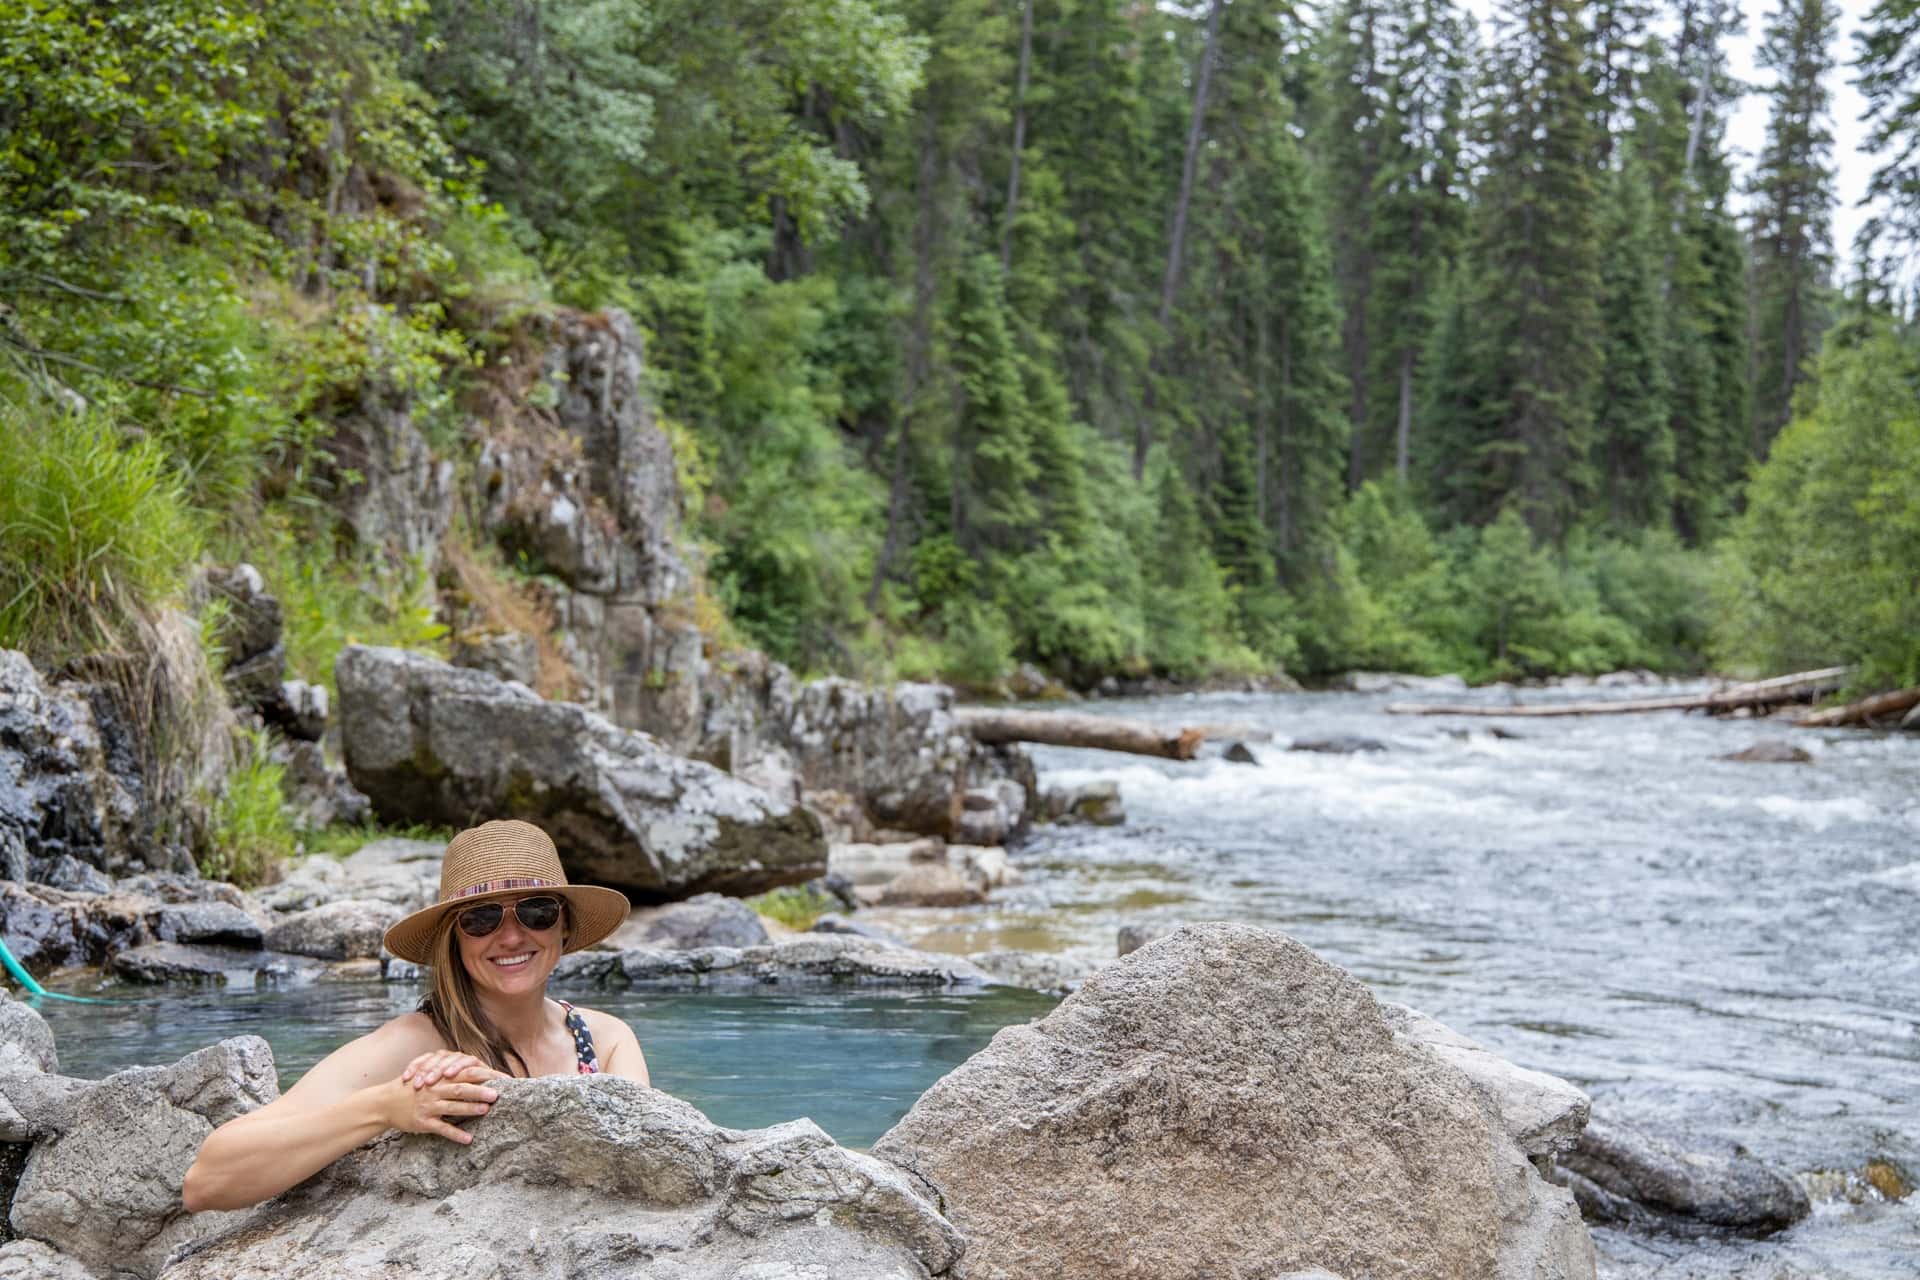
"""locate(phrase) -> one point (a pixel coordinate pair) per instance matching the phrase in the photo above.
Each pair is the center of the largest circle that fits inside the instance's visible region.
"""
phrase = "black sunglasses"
(535, 915)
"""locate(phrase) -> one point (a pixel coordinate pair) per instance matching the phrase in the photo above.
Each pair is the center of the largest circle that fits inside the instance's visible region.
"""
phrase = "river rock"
(1345, 744)
(1266, 1085)
(402, 873)
(1771, 751)
(933, 885)
(179, 962)
(1239, 753)
(835, 923)
(1620, 1174)
(217, 923)
(642, 1184)
(1543, 1114)
(992, 814)
(350, 929)
(429, 742)
(1395, 682)
(1094, 803)
(705, 920)
(1132, 937)
(25, 1039)
(1033, 970)
(124, 1144)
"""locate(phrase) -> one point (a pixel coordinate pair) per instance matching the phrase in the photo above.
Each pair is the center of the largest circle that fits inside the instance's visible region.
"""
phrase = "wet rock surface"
(429, 742)
(1624, 1175)
(169, 962)
(1269, 1086)
(1772, 751)
(1094, 803)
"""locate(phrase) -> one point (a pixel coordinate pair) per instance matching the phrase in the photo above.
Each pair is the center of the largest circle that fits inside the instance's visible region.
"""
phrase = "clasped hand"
(437, 1086)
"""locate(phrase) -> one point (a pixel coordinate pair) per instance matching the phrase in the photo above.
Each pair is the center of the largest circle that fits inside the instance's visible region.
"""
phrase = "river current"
(1726, 953)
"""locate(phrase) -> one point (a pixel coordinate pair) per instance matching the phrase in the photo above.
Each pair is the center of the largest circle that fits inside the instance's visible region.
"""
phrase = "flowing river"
(1724, 952)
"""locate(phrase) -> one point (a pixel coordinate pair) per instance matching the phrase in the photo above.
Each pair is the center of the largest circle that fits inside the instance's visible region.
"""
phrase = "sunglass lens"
(538, 914)
(478, 922)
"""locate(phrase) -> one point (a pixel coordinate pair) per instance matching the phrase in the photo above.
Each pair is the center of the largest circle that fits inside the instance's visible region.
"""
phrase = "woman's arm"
(353, 1095)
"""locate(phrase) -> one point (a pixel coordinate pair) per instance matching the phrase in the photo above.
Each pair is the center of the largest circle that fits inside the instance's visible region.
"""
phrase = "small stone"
(1771, 751)
(932, 885)
(1239, 753)
(1345, 744)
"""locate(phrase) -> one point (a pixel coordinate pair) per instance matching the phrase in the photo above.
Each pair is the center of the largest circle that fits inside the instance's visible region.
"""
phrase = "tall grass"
(251, 835)
(95, 532)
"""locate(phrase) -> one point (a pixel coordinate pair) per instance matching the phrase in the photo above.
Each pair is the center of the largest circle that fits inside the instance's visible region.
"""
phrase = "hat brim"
(595, 913)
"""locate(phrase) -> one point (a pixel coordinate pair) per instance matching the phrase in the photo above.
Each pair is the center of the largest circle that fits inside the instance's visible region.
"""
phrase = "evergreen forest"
(1191, 339)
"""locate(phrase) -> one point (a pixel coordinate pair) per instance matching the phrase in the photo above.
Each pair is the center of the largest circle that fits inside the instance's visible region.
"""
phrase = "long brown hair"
(455, 1008)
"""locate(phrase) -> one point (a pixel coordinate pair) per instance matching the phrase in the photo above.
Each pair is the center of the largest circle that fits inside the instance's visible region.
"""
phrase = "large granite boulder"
(1222, 1102)
(402, 873)
(429, 742)
(1622, 1175)
(350, 929)
(592, 1179)
(103, 1183)
(704, 920)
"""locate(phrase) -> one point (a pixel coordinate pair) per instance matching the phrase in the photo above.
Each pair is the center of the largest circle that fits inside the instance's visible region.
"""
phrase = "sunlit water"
(852, 1059)
(1725, 952)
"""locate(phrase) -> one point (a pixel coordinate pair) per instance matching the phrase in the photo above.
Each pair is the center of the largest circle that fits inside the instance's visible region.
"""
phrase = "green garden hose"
(25, 979)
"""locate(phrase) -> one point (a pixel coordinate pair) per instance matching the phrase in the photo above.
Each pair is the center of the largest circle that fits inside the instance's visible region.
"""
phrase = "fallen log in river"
(1867, 711)
(1068, 729)
(1802, 686)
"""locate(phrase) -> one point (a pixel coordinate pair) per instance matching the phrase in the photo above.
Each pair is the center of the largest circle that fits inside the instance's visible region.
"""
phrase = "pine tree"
(1632, 429)
(1519, 426)
(1793, 202)
(1889, 66)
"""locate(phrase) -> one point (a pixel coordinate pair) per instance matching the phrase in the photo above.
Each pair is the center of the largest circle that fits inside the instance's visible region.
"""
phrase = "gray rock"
(32, 1260)
(835, 923)
(431, 742)
(404, 874)
(25, 1039)
(307, 707)
(179, 962)
(1034, 970)
(835, 886)
(1396, 682)
(506, 655)
(1544, 1115)
(991, 815)
(1620, 1174)
(1345, 744)
(705, 920)
(1266, 1085)
(1771, 751)
(350, 929)
(933, 885)
(642, 1185)
(1094, 803)
(126, 1142)
(69, 873)
(1239, 753)
(317, 793)
(378, 471)
(1135, 936)
(218, 923)
(66, 785)
(253, 655)
(592, 966)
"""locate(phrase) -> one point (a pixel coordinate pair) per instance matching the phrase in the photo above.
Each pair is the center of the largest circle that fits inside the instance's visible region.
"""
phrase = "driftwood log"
(1802, 686)
(1070, 729)
(1897, 702)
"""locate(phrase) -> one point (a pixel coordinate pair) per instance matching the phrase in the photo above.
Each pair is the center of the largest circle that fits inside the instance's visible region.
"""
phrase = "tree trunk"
(1802, 686)
(1019, 138)
(1403, 429)
(1177, 237)
(1069, 729)
(1864, 712)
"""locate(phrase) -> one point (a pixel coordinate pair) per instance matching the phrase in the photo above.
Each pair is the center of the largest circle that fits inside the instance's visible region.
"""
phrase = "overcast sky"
(1747, 130)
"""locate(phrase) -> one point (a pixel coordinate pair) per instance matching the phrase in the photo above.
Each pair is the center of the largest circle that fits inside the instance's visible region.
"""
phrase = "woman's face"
(513, 960)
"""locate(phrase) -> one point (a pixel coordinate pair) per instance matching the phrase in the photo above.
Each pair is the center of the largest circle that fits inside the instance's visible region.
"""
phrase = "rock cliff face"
(587, 491)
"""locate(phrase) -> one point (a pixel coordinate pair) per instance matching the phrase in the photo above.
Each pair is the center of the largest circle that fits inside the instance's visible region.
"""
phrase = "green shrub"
(251, 835)
(796, 906)
(95, 531)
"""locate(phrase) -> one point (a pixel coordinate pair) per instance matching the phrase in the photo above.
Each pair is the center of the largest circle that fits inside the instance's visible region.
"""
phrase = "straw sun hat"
(506, 859)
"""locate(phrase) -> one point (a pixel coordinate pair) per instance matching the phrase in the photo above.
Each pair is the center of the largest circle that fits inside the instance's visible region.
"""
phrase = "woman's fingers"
(457, 1107)
(466, 1092)
(446, 1130)
(475, 1074)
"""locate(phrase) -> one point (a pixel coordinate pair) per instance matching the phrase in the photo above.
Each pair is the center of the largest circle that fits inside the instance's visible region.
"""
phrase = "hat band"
(496, 886)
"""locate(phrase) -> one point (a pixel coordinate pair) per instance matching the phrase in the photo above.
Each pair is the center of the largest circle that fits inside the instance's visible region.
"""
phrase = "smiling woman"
(504, 917)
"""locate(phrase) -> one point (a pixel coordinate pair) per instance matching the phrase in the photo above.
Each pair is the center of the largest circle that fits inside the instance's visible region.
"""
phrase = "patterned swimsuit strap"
(582, 1041)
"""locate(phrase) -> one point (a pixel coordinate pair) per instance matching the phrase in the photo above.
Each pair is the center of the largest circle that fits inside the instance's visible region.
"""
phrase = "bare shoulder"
(615, 1045)
(606, 1028)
